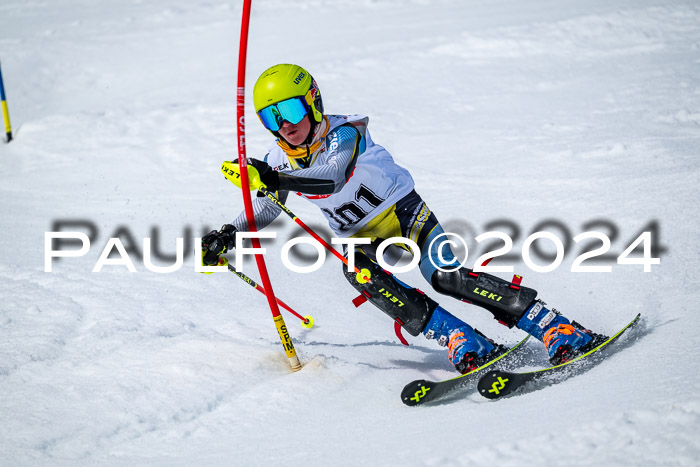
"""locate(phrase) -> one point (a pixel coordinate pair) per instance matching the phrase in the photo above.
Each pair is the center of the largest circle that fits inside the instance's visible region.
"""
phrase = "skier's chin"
(293, 138)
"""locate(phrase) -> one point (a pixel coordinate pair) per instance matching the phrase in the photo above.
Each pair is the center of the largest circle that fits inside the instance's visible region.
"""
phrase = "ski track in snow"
(123, 112)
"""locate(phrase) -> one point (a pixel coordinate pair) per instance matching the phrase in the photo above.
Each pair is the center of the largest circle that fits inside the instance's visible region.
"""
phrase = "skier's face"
(295, 134)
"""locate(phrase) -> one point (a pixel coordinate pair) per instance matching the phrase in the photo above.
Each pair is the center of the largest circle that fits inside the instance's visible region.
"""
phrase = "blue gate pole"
(5, 112)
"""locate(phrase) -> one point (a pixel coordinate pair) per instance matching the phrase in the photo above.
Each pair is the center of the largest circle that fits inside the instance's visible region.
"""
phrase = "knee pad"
(408, 306)
(507, 301)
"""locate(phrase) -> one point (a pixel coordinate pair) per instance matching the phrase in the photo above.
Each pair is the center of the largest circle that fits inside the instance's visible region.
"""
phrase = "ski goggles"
(293, 110)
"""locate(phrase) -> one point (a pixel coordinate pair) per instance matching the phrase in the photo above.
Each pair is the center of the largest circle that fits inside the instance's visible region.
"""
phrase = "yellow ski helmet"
(274, 96)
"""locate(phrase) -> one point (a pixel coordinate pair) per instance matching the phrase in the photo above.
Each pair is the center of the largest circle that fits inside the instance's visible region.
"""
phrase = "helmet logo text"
(298, 79)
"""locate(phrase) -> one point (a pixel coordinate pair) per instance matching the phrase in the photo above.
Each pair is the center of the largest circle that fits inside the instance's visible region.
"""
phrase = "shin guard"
(507, 302)
(409, 307)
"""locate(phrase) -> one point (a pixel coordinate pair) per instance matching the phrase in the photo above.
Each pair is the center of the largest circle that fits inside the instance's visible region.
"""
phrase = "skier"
(332, 161)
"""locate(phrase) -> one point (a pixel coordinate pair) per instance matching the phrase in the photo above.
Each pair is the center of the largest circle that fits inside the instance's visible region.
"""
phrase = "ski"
(498, 383)
(421, 391)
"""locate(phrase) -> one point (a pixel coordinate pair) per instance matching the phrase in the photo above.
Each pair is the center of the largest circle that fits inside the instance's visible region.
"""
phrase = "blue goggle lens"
(293, 110)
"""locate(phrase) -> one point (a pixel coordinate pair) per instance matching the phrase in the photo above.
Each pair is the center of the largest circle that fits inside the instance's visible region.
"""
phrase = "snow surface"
(525, 111)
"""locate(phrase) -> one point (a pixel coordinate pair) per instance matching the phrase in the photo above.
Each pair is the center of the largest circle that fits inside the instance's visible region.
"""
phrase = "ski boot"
(564, 340)
(468, 348)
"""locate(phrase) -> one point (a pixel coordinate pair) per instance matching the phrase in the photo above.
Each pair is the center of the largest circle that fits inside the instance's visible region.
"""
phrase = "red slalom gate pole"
(247, 201)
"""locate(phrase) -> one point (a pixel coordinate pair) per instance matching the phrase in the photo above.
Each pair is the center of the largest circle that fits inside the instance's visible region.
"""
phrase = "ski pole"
(301, 224)
(306, 321)
(234, 174)
(5, 112)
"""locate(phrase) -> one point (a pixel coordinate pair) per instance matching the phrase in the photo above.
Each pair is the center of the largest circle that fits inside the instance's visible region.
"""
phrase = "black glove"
(216, 243)
(271, 178)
